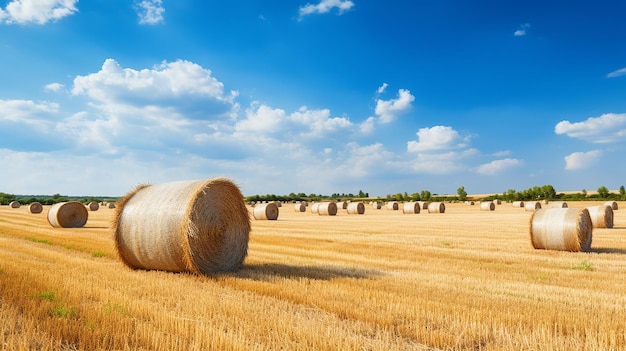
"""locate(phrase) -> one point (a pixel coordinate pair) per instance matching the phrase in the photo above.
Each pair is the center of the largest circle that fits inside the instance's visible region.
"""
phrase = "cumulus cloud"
(389, 110)
(381, 89)
(497, 166)
(436, 138)
(325, 6)
(150, 11)
(582, 160)
(521, 31)
(608, 128)
(617, 73)
(54, 87)
(37, 11)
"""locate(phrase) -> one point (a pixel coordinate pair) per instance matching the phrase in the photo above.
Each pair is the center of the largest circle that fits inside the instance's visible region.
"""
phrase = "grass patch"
(99, 254)
(37, 240)
(63, 311)
(584, 266)
(47, 295)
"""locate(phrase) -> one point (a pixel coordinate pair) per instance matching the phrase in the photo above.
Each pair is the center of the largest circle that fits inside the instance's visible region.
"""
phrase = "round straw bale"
(393, 205)
(471, 203)
(558, 204)
(377, 205)
(436, 207)
(111, 205)
(187, 226)
(315, 207)
(601, 216)
(497, 202)
(487, 206)
(613, 205)
(15, 204)
(518, 204)
(532, 206)
(299, 207)
(327, 209)
(424, 204)
(562, 229)
(411, 208)
(342, 205)
(356, 208)
(267, 211)
(93, 206)
(35, 207)
(278, 204)
(71, 214)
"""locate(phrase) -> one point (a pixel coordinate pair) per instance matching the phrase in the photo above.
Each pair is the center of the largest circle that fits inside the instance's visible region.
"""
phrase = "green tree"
(425, 195)
(462, 193)
(622, 193)
(603, 192)
(583, 193)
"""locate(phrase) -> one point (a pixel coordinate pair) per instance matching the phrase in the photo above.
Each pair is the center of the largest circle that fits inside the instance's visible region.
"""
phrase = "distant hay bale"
(15, 204)
(601, 216)
(187, 226)
(356, 208)
(278, 204)
(93, 206)
(393, 205)
(436, 207)
(558, 204)
(487, 206)
(299, 207)
(562, 229)
(377, 205)
(497, 202)
(518, 204)
(35, 207)
(532, 206)
(471, 203)
(411, 208)
(71, 214)
(111, 205)
(268, 211)
(342, 205)
(315, 207)
(424, 204)
(613, 205)
(327, 209)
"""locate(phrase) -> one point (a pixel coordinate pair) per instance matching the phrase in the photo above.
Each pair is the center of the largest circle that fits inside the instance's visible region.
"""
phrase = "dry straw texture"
(411, 208)
(487, 206)
(266, 211)
(518, 204)
(299, 207)
(436, 207)
(424, 204)
(532, 206)
(35, 207)
(93, 206)
(613, 205)
(327, 209)
(188, 226)
(562, 229)
(315, 207)
(71, 214)
(601, 216)
(14, 204)
(356, 208)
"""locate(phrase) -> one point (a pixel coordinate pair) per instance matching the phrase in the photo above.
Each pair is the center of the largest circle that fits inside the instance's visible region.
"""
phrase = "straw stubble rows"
(461, 280)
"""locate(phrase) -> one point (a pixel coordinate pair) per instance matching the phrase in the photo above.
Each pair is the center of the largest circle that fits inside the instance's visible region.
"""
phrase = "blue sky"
(313, 96)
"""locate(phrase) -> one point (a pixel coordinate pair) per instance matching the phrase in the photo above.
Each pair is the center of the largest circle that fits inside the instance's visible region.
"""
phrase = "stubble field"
(462, 280)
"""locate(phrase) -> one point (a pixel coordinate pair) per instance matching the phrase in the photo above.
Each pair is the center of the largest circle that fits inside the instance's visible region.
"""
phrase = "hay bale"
(558, 204)
(327, 209)
(497, 202)
(15, 204)
(35, 207)
(601, 216)
(342, 205)
(411, 208)
(613, 205)
(562, 229)
(471, 203)
(188, 226)
(377, 205)
(356, 208)
(315, 207)
(436, 207)
(111, 205)
(278, 204)
(518, 204)
(424, 204)
(487, 206)
(93, 206)
(299, 207)
(267, 211)
(71, 214)
(393, 205)
(532, 206)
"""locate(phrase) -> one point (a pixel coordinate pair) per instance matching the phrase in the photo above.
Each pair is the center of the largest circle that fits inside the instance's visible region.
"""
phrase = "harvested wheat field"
(461, 280)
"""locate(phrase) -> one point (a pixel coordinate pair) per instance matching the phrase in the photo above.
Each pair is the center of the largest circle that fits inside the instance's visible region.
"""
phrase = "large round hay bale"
(557, 204)
(436, 207)
(518, 204)
(487, 206)
(377, 205)
(35, 207)
(613, 205)
(601, 216)
(15, 204)
(356, 208)
(299, 207)
(393, 205)
(188, 226)
(563, 229)
(424, 204)
(93, 206)
(327, 209)
(71, 214)
(532, 206)
(315, 207)
(411, 208)
(267, 211)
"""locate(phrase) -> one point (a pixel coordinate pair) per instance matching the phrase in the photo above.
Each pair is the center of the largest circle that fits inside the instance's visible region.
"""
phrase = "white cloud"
(441, 162)
(521, 31)
(582, 160)
(617, 73)
(437, 138)
(497, 166)
(37, 11)
(325, 6)
(608, 128)
(388, 110)
(150, 11)
(382, 88)
(54, 87)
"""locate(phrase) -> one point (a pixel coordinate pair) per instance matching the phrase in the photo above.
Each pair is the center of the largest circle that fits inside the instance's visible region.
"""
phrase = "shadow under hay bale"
(562, 229)
(268, 211)
(189, 226)
(71, 214)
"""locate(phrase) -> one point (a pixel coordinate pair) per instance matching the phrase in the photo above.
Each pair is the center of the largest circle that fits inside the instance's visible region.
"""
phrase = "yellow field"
(463, 280)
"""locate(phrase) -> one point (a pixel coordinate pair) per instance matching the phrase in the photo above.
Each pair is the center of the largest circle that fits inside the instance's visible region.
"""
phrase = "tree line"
(6, 199)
